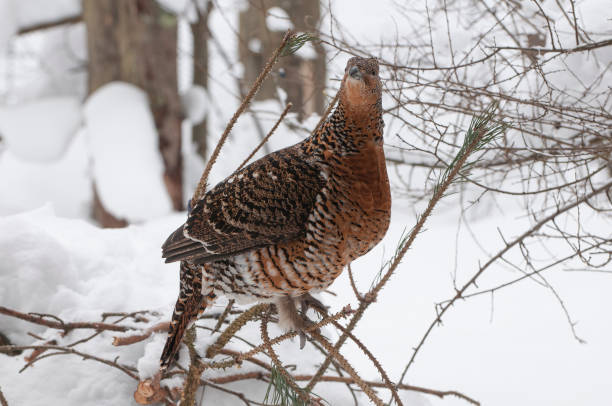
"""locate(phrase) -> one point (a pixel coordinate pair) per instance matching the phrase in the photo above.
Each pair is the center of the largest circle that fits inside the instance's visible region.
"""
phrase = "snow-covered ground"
(513, 347)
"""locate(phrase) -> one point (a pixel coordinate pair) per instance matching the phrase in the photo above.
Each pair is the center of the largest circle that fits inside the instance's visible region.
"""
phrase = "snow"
(40, 130)
(77, 271)
(65, 182)
(184, 8)
(178, 7)
(127, 167)
(254, 45)
(16, 14)
(514, 347)
(307, 51)
(47, 63)
(195, 104)
(9, 26)
(33, 12)
(277, 19)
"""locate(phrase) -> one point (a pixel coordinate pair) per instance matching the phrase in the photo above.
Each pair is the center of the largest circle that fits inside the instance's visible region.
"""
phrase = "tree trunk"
(199, 31)
(135, 41)
(303, 79)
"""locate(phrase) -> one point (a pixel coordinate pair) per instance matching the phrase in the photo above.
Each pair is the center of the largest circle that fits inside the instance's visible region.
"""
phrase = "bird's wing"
(265, 203)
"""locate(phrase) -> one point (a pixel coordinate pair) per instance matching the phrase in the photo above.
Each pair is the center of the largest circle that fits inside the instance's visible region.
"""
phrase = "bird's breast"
(360, 199)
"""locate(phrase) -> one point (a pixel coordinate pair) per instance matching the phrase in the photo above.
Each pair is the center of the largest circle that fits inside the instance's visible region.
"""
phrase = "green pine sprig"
(482, 131)
(296, 42)
(280, 393)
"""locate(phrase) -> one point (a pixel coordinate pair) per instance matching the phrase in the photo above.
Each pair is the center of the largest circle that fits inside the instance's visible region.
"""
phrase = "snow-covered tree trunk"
(263, 25)
(135, 42)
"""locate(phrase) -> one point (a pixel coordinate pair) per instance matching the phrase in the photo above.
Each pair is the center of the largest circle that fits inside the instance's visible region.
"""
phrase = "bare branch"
(50, 24)
(60, 325)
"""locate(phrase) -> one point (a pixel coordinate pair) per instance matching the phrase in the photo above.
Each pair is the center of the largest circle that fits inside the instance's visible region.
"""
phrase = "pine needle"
(280, 393)
(296, 42)
(474, 142)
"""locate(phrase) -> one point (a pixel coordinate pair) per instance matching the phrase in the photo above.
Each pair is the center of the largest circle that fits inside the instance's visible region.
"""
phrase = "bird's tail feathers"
(189, 305)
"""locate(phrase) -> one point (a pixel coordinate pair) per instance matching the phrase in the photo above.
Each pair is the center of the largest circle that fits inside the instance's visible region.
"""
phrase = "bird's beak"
(355, 73)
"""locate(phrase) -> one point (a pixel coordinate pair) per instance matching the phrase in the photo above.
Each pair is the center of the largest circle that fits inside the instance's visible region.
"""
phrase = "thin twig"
(440, 191)
(261, 375)
(64, 351)
(201, 188)
(367, 389)
(581, 48)
(330, 319)
(60, 325)
(50, 24)
(327, 112)
(267, 137)
(195, 370)
(279, 366)
(381, 370)
(3, 401)
(159, 327)
(235, 326)
(221, 319)
(500, 254)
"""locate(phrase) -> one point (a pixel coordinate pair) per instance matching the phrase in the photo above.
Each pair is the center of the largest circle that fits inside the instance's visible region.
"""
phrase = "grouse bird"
(287, 224)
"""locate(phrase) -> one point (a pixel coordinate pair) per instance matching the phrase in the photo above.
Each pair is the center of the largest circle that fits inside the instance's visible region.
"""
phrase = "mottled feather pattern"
(288, 224)
(264, 203)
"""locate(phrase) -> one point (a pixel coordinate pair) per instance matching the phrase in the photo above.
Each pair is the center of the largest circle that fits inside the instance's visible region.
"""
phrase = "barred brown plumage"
(287, 224)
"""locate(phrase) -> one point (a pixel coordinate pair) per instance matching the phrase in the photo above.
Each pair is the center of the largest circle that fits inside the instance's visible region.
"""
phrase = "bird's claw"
(308, 302)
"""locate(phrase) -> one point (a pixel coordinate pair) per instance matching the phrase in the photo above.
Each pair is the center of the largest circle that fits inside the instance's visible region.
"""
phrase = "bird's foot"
(308, 301)
(291, 320)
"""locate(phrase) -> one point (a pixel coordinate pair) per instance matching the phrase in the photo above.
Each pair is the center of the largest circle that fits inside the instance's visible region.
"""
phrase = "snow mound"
(76, 271)
(127, 166)
(66, 182)
(277, 19)
(40, 130)
(195, 104)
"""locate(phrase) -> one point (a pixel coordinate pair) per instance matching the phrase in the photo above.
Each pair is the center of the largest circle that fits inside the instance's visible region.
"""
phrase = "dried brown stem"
(279, 366)
(343, 313)
(60, 350)
(195, 370)
(127, 340)
(233, 328)
(388, 384)
(223, 316)
(261, 375)
(36, 353)
(581, 48)
(367, 389)
(50, 24)
(3, 401)
(60, 325)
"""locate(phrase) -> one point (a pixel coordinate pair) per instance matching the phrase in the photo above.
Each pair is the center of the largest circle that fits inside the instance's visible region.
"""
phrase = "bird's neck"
(350, 128)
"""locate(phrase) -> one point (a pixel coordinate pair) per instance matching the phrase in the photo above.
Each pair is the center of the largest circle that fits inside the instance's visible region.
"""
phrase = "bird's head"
(361, 87)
